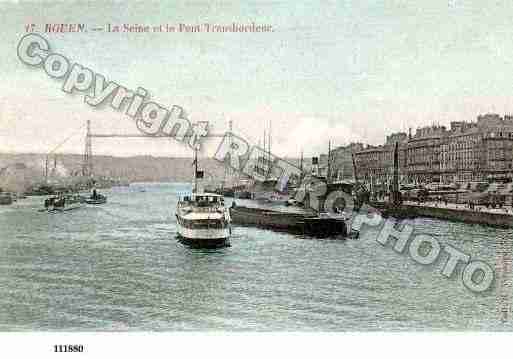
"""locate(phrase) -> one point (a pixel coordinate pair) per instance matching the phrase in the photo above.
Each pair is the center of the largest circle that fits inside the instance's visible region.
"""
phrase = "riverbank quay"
(497, 217)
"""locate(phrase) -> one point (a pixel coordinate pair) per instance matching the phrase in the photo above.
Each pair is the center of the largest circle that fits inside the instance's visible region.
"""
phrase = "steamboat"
(63, 202)
(202, 219)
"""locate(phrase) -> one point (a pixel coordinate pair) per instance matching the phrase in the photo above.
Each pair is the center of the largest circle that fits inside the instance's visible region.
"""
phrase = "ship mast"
(195, 169)
(267, 153)
(264, 157)
(87, 169)
(355, 172)
(328, 174)
(228, 169)
(301, 168)
(395, 184)
(46, 169)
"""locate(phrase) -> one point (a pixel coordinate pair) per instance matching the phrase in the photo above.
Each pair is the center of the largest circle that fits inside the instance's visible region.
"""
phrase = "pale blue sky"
(341, 70)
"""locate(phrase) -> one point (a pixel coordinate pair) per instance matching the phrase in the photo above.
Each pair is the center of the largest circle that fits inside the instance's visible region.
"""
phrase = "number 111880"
(68, 348)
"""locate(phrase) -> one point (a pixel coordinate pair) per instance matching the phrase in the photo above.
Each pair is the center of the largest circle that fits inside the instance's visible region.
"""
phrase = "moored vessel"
(311, 224)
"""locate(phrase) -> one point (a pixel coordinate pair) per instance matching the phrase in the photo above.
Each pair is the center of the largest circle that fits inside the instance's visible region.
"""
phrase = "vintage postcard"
(255, 166)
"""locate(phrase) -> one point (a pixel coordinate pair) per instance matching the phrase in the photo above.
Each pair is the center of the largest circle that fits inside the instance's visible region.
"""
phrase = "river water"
(120, 267)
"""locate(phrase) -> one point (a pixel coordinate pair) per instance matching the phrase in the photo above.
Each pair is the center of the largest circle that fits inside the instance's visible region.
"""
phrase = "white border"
(259, 345)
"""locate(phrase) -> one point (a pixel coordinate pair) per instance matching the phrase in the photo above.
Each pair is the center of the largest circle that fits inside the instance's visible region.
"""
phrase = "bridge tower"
(87, 166)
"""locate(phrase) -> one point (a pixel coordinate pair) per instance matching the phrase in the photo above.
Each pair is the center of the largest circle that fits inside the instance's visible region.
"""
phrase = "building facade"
(460, 153)
(496, 150)
(341, 166)
(374, 164)
(468, 151)
(423, 154)
(342, 159)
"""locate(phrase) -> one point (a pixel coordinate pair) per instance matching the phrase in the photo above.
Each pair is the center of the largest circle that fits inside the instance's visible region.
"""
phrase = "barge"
(309, 224)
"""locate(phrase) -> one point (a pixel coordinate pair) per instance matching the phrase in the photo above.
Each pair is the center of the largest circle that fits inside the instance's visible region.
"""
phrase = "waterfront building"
(460, 153)
(423, 154)
(479, 151)
(496, 157)
(342, 161)
(468, 151)
(374, 164)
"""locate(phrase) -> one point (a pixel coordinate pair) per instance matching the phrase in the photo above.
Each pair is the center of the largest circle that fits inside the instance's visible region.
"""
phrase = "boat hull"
(295, 223)
(207, 243)
(279, 221)
(63, 204)
(96, 201)
(68, 207)
(205, 238)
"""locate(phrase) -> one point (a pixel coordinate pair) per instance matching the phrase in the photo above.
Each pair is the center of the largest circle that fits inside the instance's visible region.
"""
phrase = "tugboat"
(203, 221)
(96, 198)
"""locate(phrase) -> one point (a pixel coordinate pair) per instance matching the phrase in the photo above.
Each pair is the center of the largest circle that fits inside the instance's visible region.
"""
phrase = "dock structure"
(397, 207)
(450, 212)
